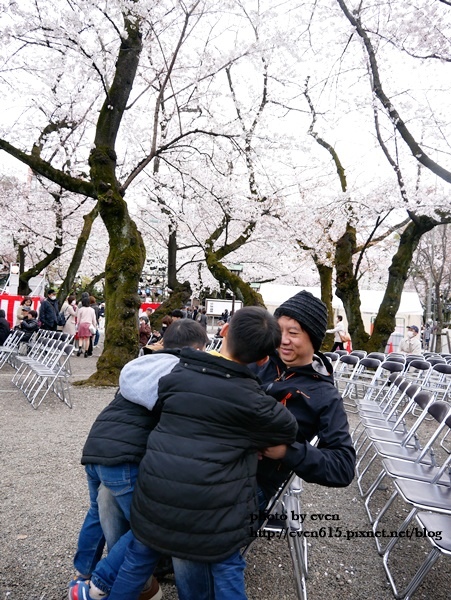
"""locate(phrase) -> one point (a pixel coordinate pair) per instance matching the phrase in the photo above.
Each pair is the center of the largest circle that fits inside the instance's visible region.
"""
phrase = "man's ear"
(262, 361)
(224, 330)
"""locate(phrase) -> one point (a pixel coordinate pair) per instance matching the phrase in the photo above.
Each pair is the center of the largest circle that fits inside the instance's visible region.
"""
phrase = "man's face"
(296, 348)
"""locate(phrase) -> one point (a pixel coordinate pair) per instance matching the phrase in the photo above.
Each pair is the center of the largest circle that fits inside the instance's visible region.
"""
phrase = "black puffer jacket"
(196, 489)
(310, 395)
(119, 434)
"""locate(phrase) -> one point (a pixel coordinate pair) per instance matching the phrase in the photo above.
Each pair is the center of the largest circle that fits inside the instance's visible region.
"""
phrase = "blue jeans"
(124, 572)
(211, 581)
(108, 516)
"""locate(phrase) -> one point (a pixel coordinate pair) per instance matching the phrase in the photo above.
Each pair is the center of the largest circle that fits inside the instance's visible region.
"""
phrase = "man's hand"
(275, 452)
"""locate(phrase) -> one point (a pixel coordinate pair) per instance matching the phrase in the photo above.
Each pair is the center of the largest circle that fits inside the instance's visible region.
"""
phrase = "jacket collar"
(204, 361)
(319, 367)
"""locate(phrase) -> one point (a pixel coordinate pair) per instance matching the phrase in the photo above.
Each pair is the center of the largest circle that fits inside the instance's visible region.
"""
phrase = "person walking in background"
(5, 327)
(95, 338)
(338, 331)
(202, 318)
(426, 336)
(49, 312)
(411, 344)
(87, 325)
(69, 310)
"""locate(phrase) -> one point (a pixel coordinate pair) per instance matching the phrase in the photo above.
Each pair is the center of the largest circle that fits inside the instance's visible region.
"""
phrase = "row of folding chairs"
(390, 436)
(354, 376)
(432, 358)
(10, 347)
(15, 346)
(45, 368)
(215, 344)
(280, 521)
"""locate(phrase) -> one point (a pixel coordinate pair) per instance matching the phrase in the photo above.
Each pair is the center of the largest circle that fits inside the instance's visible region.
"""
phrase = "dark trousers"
(337, 346)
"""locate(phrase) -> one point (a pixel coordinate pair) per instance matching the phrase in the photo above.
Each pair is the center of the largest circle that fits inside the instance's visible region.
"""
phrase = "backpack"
(61, 321)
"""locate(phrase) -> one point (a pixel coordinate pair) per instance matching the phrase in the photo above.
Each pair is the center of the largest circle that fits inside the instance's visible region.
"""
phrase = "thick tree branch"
(323, 143)
(395, 117)
(71, 184)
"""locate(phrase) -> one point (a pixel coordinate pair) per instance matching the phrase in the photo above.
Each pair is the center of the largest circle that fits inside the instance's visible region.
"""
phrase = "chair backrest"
(399, 359)
(341, 352)
(434, 360)
(395, 378)
(410, 388)
(359, 353)
(411, 357)
(423, 399)
(392, 366)
(442, 368)
(349, 360)
(369, 363)
(440, 410)
(418, 365)
(379, 355)
(13, 338)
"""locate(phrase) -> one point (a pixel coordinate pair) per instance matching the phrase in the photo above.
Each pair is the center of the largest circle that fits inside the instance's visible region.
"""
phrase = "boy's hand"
(275, 452)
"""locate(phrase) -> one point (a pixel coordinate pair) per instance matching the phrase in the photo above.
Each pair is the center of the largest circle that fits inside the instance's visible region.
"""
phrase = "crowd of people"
(195, 443)
(154, 338)
(78, 320)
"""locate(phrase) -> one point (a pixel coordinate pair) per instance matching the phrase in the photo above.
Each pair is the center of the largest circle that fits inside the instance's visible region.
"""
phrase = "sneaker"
(152, 593)
(79, 590)
(76, 579)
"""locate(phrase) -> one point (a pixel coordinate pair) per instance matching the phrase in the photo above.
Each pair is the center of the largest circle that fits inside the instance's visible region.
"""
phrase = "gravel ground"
(44, 499)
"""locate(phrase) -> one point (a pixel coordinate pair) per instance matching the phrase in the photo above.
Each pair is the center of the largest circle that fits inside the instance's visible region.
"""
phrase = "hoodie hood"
(138, 381)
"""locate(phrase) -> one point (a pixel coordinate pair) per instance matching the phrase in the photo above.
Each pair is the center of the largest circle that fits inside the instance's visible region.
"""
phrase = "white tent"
(410, 310)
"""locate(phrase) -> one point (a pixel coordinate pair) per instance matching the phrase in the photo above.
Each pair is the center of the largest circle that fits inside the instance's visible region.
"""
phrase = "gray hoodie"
(138, 381)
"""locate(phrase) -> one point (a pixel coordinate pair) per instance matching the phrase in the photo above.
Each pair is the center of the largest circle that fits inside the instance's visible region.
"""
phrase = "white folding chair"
(11, 347)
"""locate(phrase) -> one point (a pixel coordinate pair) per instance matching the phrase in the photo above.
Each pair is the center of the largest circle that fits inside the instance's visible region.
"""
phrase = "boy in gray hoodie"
(117, 442)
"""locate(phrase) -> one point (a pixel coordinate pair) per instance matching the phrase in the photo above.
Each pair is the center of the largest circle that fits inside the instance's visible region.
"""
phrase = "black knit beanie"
(310, 312)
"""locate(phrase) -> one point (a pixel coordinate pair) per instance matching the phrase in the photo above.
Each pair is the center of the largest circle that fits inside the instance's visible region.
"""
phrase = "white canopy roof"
(274, 294)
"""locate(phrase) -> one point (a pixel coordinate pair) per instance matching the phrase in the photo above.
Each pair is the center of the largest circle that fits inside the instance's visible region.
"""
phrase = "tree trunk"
(126, 248)
(348, 287)
(385, 322)
(325, 277)
(172, 259)
(439, 313)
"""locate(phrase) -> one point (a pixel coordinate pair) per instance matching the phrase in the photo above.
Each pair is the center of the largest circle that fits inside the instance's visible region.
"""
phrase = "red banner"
(10, 304)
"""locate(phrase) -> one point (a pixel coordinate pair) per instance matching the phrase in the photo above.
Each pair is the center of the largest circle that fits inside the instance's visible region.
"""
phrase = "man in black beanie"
(301, 377)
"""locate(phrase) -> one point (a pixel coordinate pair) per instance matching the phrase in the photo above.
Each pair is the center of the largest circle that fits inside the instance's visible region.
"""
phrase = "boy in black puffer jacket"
(116, 444)
(196, 495)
